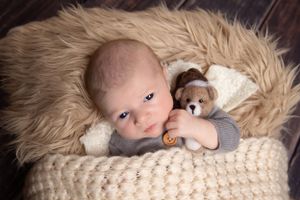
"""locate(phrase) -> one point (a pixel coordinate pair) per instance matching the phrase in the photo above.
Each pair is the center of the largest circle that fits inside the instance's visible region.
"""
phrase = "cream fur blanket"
(44, 64)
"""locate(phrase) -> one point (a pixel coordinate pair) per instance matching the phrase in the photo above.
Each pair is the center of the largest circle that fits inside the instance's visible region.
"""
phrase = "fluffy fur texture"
(44, 62)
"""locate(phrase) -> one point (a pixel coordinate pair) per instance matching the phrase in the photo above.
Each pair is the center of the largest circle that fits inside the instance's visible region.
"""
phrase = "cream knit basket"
(256, 170)
(49, 109)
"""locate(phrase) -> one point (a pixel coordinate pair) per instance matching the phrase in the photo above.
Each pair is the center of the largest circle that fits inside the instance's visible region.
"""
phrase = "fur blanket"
(43, 65)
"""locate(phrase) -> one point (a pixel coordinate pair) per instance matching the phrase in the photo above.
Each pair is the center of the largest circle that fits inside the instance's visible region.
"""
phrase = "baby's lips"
(149, 128)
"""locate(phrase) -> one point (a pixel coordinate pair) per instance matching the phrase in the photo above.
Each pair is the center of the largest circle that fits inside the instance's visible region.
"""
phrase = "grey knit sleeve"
(114, 149)
(227, 130)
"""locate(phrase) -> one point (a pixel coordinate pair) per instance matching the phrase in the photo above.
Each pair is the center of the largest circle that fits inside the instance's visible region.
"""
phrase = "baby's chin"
(157, 131)
(154, 135)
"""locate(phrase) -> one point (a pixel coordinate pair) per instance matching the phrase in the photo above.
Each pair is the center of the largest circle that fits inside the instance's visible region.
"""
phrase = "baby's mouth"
(150, 128)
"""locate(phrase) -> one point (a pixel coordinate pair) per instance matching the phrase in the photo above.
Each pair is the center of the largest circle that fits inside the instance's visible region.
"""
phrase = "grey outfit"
(227, 130)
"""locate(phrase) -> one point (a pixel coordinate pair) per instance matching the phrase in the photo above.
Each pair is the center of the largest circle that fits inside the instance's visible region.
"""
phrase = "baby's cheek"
(121, 126)
(165, 108)
(170, 104)
(124, 131)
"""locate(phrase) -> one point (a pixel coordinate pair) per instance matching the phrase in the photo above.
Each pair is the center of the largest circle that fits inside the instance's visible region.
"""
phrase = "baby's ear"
(165, 71)
(212, 93)
(166, 76)
(178, 93)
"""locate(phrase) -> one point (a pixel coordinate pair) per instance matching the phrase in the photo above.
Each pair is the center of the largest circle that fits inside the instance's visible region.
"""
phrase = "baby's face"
(140, 107)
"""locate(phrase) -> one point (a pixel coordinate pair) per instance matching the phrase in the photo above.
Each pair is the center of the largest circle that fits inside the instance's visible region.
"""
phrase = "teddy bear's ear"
(178, 93)
(212, 92)
(187, 76)
(193, 71)
(178, 83)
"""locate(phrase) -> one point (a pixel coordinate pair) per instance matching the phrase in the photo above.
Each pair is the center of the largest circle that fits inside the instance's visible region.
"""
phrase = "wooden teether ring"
(168, 140)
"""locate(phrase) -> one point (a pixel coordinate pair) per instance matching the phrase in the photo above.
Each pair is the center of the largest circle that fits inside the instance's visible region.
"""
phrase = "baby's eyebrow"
(112, 113)
(143, 93)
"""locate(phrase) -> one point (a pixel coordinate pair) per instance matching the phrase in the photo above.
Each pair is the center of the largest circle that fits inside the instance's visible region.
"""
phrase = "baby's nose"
(141, 118)
(192, 107)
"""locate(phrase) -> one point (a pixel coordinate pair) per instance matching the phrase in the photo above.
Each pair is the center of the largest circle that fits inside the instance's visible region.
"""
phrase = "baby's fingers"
(176, 112)
(171, 125)
(173, 133)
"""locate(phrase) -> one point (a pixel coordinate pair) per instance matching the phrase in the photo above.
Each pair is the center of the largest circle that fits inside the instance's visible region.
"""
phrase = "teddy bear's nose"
(192, 107)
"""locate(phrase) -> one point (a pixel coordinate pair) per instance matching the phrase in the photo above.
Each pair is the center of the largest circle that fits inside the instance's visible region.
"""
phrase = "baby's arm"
(218, 132)
(183, 124)
(227, 129)
(114, 150)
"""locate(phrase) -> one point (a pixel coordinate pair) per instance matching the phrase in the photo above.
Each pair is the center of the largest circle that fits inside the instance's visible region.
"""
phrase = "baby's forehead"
(115, 62)
(125, 56)
(133, 87)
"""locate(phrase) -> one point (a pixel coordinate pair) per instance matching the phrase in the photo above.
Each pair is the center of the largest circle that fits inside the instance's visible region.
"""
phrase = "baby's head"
(128, 85)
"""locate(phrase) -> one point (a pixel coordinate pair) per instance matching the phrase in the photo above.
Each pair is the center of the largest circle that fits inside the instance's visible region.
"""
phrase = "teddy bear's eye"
(188, 100)
(201, 100)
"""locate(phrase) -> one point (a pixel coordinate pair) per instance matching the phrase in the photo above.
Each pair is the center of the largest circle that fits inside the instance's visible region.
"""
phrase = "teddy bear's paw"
(192, 144)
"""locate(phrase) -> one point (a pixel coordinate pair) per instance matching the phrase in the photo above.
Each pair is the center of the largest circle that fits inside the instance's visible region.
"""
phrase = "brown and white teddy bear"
(195, 95)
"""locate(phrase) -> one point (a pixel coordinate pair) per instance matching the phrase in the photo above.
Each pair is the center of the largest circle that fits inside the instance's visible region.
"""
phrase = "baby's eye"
(149, 97)
(123, 115)
(201, 100)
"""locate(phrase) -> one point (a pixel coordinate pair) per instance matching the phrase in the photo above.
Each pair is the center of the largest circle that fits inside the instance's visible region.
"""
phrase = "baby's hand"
(181, 124)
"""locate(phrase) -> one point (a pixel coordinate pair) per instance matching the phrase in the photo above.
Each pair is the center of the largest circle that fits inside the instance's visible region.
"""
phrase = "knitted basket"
(44, 64)
(256, 170)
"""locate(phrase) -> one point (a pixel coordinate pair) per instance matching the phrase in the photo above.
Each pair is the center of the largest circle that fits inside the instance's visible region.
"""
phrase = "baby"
(129, 87)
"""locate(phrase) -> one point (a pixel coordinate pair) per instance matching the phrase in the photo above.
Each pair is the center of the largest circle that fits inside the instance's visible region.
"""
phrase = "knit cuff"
(228, 135)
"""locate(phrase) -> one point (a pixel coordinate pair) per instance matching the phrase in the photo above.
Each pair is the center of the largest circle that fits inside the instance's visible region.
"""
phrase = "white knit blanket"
(256, 170)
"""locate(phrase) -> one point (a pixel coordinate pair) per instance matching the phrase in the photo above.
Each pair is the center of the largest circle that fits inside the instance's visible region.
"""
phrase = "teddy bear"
(194, 94)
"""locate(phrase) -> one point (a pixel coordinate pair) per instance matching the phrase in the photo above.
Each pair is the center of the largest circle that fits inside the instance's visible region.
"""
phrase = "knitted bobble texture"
(256, 170)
